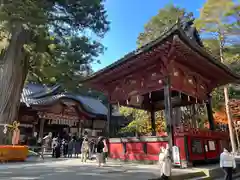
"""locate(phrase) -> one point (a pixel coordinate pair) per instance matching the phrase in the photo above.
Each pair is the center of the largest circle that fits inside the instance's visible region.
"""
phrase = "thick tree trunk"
(12, 76)
(237, 137)
(230, 122)
(226, 97)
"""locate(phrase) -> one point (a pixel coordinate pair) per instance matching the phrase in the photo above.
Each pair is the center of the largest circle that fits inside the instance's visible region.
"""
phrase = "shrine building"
(172, 71)
(47, 109)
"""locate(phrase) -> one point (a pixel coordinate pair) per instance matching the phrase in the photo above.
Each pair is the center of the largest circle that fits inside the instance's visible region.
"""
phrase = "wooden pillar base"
(153, 123)
(210, 113)
(109, 117)
(41, 130)
(168, 110)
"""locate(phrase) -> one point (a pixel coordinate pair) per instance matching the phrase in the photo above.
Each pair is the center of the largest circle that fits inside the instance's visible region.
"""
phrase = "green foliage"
(165, 19)
(58, 48)
(140, 121)
(218, 25)
(219, 22)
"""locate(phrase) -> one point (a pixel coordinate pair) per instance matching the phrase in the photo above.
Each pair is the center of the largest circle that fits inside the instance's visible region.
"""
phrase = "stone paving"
(73, 169)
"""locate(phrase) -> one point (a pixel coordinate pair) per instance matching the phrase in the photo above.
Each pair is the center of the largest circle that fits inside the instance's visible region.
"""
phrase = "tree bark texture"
(13, 71)
(237, 137)
(230, 122)
(226, 97)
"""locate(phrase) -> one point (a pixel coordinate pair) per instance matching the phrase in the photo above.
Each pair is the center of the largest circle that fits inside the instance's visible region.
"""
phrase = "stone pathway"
(73, 169)
(69, 169)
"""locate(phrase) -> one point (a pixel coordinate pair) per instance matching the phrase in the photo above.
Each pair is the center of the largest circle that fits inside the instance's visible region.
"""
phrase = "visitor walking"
(91, 149)
(105, 151)
(47, 142)
(228, 163)
(99, 148)
(54, 145)
(84, 150)
(165, 162)
(65, 147)
(77, 147)
(71, 146)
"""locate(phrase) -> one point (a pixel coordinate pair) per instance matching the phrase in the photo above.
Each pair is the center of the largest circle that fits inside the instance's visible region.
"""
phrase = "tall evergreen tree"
(42, 37)
(165, 18)
(217, 23)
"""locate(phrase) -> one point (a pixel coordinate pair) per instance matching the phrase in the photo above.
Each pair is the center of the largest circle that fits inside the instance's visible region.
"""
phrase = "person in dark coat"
(71, 146)
(99, 149)
(57, 148)
(54, 144)
(91, 148)
(65, 147)
(77, 147)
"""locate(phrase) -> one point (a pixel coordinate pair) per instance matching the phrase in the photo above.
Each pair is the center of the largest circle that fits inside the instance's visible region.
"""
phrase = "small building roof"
(41, 95)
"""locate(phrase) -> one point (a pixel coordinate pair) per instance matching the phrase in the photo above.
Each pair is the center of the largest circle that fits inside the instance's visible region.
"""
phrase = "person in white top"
(84, 150)
(228, 163)
(105, 151)
(165, 162)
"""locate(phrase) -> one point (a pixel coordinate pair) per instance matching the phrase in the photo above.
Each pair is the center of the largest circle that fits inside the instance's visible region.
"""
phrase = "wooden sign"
(49, 115)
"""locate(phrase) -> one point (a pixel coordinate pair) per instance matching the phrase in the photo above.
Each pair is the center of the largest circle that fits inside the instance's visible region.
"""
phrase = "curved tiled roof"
(176, 29)
(37, 94)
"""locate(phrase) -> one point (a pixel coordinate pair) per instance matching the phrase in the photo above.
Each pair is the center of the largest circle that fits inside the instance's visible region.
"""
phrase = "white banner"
(176, 156)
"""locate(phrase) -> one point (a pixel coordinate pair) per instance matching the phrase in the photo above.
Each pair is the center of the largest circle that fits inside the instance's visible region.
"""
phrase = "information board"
(176, 156)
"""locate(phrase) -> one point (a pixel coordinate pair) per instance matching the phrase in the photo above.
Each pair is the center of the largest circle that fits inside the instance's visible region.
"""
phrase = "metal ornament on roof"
(187, 25)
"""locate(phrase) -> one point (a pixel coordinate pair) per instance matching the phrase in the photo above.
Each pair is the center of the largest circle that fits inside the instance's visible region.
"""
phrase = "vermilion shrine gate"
(172, 71)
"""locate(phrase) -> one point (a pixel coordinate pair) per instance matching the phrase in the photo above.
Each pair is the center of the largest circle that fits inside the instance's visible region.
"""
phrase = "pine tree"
(41, 37)
(215, 21)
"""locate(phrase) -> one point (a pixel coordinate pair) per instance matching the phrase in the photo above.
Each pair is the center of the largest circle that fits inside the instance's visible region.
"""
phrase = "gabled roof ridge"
(137, 51)
(206, 54)
(176, 30)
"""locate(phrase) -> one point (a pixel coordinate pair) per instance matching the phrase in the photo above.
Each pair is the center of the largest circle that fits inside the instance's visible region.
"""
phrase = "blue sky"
(127, 19)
